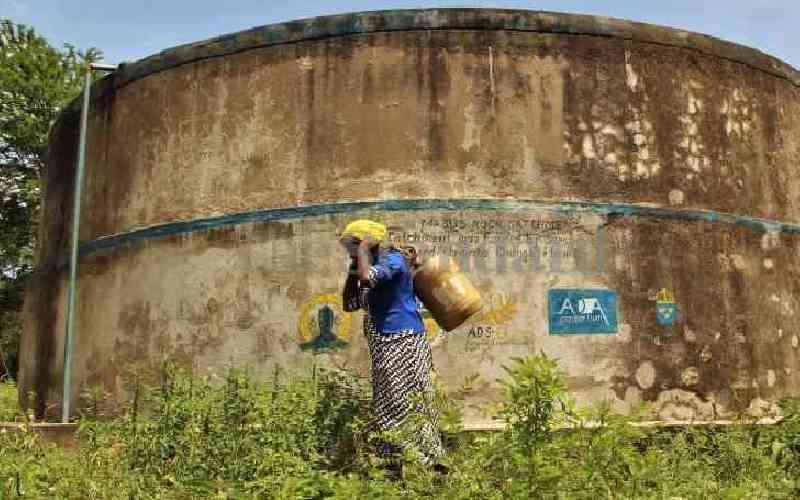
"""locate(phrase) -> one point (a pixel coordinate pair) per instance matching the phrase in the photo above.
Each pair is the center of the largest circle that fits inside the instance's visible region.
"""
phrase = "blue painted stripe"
(565, 207)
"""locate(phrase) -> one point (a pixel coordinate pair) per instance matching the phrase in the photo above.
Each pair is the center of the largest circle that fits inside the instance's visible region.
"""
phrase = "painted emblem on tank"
(666, 308)
(323, 324)
(576, 311)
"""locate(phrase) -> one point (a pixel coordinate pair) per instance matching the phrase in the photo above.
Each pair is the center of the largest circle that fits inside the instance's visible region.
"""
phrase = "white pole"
(69, 339)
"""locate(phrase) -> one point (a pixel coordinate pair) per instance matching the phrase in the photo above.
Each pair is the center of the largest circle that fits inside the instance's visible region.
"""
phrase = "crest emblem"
(666, 308)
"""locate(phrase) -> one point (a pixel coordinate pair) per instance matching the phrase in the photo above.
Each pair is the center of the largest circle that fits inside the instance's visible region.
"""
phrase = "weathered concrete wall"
(546, 151)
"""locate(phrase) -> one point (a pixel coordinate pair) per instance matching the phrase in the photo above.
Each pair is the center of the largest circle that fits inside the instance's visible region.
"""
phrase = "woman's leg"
(401, 371)
(428, 439)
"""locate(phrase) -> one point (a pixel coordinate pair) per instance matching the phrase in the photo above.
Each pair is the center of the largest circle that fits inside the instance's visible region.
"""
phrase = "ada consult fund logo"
(575, 311)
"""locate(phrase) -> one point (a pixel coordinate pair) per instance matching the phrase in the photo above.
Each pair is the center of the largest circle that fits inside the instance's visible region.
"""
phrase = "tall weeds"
(305, 437)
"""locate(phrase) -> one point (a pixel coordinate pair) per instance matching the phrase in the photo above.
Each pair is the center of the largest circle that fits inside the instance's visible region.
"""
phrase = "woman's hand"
(367, 242)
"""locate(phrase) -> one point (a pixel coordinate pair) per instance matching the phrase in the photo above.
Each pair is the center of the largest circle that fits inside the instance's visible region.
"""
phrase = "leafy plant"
(9, 407)
(36, 82)
(304, 436)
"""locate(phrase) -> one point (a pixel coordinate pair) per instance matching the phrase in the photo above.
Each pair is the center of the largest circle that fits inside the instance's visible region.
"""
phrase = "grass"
(305, 437)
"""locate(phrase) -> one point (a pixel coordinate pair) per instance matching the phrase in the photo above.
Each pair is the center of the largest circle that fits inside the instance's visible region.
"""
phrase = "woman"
(380, 281)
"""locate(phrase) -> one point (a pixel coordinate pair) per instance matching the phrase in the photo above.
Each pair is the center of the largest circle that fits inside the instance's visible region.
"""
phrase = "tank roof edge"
(339, 25)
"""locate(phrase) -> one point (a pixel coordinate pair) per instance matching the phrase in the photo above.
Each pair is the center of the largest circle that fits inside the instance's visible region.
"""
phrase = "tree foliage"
(36, 82)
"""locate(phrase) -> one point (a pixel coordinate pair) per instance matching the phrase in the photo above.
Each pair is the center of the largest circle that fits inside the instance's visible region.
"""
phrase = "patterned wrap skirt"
(402, 385)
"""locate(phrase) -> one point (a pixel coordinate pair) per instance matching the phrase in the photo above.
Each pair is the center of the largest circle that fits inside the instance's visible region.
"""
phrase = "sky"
(133, 29)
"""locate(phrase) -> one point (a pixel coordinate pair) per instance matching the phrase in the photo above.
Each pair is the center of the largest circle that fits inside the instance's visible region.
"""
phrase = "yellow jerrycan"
(446, 292)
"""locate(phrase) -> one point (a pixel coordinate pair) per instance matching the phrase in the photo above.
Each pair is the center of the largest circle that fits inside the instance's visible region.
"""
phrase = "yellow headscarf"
(363, 227)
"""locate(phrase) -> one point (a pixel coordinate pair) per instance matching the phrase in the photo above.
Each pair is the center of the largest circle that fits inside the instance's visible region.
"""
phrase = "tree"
(36, 82)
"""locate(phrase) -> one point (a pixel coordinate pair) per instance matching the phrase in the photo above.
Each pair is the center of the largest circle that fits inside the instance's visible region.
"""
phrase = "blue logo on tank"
(576, 311)
(666, 308)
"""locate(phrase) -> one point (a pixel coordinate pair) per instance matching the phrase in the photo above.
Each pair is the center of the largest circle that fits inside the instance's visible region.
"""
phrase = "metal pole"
(69, 339)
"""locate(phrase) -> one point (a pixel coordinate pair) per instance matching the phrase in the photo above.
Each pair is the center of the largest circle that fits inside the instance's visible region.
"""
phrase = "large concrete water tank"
(625, 196)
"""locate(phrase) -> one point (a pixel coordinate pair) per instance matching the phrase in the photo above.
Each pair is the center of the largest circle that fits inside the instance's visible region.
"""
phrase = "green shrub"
(304, 437)
(9, 405)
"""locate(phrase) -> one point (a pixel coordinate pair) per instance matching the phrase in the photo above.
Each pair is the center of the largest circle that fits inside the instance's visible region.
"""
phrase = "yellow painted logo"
(323, 323)
(665, 296)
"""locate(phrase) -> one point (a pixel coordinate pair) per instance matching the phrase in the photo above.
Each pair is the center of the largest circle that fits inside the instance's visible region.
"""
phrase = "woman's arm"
(364, 258)
(350, 293)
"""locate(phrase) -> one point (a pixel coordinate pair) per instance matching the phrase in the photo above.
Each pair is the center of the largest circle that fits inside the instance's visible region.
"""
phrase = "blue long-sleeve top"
(392, 303)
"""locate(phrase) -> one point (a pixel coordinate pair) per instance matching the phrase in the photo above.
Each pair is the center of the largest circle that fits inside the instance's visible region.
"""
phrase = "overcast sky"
(131, 29)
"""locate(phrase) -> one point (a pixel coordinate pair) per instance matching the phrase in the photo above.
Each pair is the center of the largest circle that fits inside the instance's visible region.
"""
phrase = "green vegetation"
(304, 437)
(36, 82)
(8, 402)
